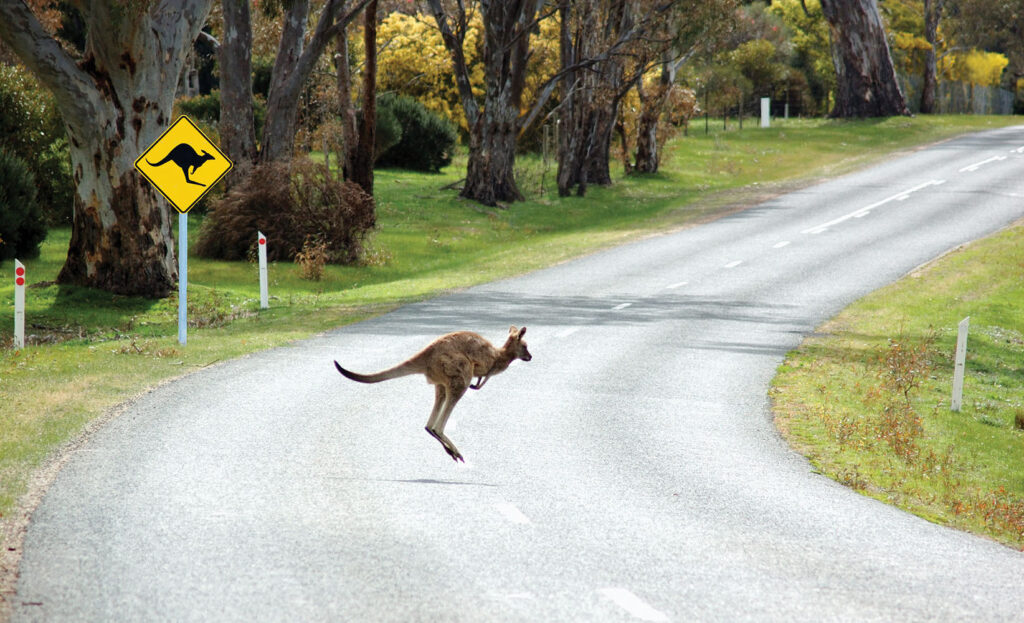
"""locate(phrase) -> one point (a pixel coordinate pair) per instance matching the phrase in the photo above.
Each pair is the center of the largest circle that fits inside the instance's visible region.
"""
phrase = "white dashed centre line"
(567, 332)
(633, 604)
(511, 513)
(976, 165)
(861, 213)
(734, 264)
(676, 285)
(779, 245)
(621, 306)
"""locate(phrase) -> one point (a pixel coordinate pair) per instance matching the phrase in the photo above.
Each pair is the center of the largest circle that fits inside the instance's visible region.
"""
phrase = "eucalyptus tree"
(932, 17)
(866, 83)
(297, 54)
(692, 26)
(493, 127)
(115, 100)
(604, 45)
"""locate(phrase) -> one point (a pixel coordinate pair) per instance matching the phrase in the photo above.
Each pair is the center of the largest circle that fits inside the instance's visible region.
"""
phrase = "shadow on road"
(499, 309)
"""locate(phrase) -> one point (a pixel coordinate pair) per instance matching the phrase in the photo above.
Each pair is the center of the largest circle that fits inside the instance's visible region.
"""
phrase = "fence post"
(958, 371)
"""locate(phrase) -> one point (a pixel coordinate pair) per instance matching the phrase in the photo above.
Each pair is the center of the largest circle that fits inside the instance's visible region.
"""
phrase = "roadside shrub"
(389, 130)
(262, 70)
(312, 258)
(54, 184)
(205, 107)
(290, 203)
(906, 365)
(205, 110)
(31, 128)
(21, 220)
(427, 139)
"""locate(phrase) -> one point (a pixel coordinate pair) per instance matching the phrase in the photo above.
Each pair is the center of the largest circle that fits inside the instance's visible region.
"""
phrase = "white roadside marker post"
(766, 112)
(958, 371)
(19, 304)
(264, 295)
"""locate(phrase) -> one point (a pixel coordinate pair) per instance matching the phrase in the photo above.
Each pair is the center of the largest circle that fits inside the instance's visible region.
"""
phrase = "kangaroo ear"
(512, 330)
(522, 332)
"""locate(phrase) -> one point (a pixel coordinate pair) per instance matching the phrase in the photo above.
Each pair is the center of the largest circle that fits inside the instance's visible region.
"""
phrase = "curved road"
(629, 472)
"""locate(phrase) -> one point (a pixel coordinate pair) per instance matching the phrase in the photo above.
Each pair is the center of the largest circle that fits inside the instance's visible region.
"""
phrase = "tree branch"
(327, 29)
(74, 89)
(453, 42)
(548, 87)
(343, 23)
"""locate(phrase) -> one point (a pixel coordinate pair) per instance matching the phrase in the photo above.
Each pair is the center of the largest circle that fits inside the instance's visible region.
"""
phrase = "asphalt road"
(629, 472)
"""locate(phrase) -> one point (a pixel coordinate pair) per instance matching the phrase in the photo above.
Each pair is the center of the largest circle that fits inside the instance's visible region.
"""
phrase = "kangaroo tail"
(402, 369)
(156, 164)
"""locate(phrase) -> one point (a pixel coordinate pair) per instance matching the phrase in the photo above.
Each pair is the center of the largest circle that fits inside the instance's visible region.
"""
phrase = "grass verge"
(867, 400)
(89, 351)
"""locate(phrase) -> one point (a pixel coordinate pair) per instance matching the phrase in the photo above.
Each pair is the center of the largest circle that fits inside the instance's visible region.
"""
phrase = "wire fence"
(960, 97)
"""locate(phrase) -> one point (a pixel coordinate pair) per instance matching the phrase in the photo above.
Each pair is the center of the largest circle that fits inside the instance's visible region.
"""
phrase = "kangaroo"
(450, 362)
(185, 157)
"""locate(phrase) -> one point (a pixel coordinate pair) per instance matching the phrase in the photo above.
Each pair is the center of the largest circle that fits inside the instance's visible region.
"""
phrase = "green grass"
(964, 469)
(92, 350)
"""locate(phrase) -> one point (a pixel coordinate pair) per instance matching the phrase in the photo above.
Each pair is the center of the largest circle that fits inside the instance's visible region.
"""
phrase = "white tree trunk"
(115, 102)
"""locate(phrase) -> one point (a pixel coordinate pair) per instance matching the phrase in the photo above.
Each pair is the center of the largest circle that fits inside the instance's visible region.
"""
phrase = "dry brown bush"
(289, 202)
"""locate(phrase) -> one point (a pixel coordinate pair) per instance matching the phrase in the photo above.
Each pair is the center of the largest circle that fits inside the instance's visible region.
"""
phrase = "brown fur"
(450, 362)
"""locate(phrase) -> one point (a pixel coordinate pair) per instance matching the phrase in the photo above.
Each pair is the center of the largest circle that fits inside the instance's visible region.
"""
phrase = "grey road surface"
(630, 472)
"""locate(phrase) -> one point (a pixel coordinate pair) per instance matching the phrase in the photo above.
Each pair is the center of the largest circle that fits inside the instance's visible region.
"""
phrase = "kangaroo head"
(206, 156)
(516, 344)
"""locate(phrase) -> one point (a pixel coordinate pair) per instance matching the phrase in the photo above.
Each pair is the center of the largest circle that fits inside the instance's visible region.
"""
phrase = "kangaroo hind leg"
(440, 394)
(455, 392)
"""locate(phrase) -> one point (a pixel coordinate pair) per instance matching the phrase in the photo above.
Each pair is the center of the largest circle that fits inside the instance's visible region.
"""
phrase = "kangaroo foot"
(454, 453)
(447, 445)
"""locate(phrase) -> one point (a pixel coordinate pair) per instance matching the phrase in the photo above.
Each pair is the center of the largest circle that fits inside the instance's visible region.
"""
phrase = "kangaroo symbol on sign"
(185, 157)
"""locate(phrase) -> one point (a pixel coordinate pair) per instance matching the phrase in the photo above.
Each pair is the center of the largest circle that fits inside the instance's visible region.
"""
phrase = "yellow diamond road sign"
(183, 164)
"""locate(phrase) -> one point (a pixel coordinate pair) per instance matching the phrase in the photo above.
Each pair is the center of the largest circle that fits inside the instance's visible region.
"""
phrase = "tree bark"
(571, 125)
(651, 104)
(237, 126)
(285, 84)
(590, 98)
(114, 103)
(362, 163)
(932, 15)
(346, 110)
(292, 67)
(865, 78)
(490, 172)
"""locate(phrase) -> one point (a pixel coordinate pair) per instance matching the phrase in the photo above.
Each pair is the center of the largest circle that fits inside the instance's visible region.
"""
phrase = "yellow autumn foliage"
(976, 67)
(412, 60)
